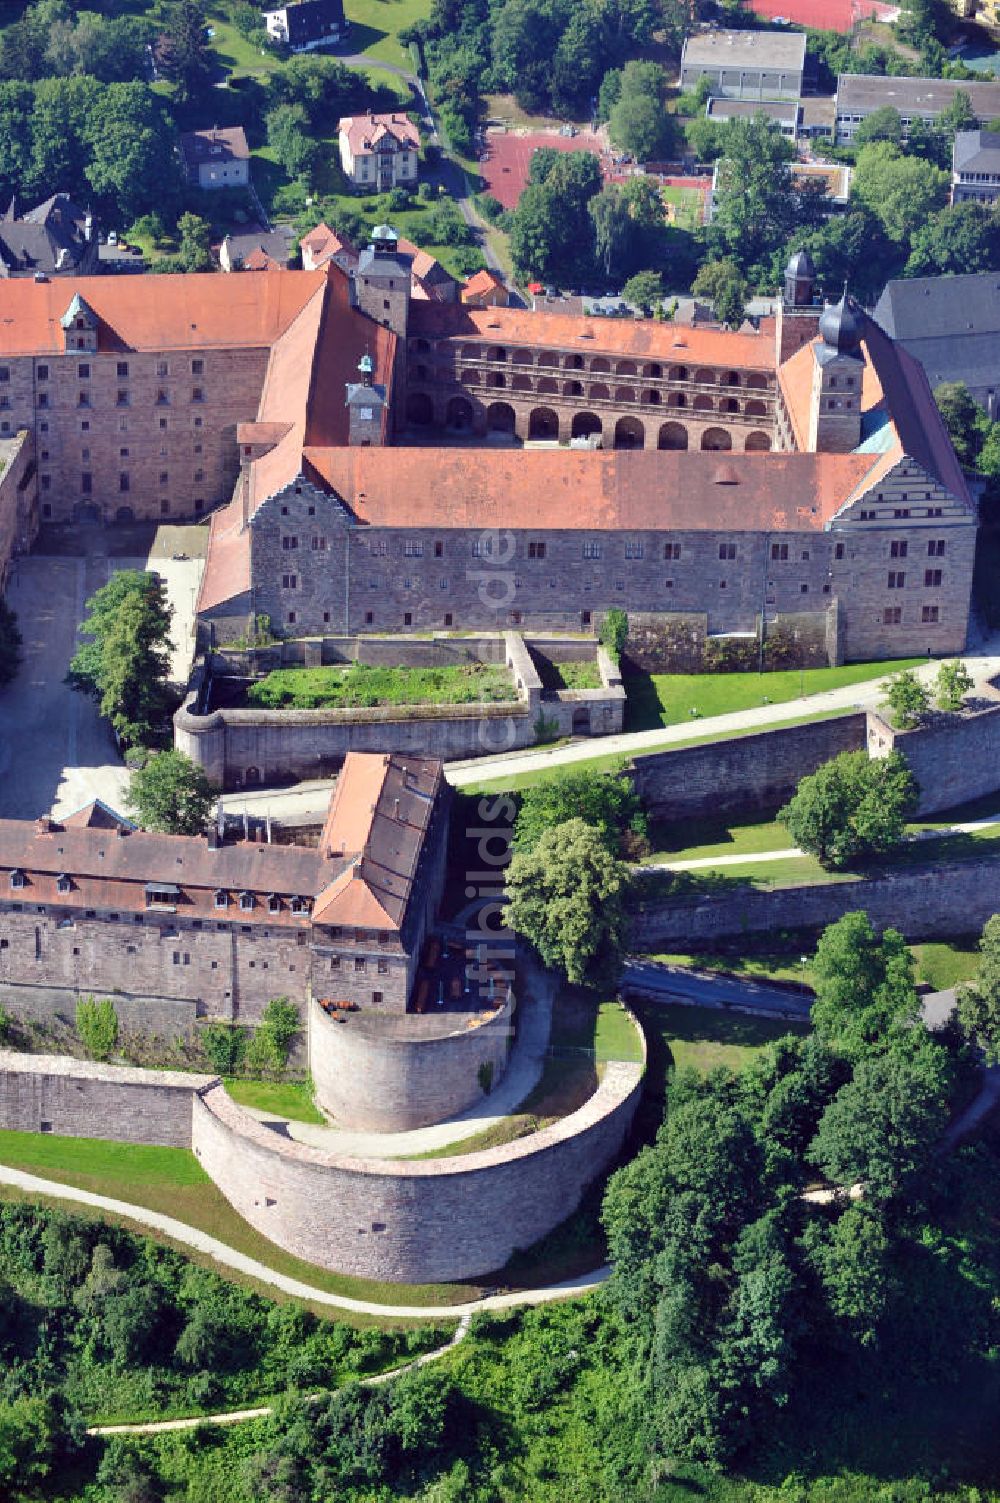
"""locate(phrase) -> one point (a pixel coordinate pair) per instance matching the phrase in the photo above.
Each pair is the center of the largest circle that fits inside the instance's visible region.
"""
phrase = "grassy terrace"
(376, 24)
(361, 685)
(585, 1035)
(669, 698)
(285, 1099)
(940, 964)
(171, 1180)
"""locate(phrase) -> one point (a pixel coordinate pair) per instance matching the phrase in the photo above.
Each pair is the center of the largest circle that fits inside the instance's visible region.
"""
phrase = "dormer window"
(221, 899)
(300, 905)
(63, 883)
(17, 879)
(162, 895)
(273, 903)
(246, 901)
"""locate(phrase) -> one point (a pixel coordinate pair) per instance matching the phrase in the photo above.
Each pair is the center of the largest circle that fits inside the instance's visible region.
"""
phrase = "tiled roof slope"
(674, 344)
(605, 491)
(382, 809)
(197, 311)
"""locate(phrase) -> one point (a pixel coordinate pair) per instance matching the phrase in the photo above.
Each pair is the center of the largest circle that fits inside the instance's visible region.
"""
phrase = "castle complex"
(366, 450)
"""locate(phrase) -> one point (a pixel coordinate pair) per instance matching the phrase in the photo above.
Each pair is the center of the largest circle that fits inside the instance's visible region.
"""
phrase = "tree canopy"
(979, 1001)
(606, 801)
(125, 663)
(567, 896)
(172, 794)
(854, 806)
(865, 992)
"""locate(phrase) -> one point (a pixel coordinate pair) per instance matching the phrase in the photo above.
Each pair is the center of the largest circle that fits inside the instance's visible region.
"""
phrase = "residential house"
(378, 152)
(486, 289)
(975, 167)
(57, 238)
(307, 24)
(255, 250)
(952, 326)
(217, 158)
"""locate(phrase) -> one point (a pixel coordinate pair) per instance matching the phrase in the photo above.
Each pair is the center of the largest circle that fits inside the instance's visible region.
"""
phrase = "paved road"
(671, 983)
(190, 1236)
(56, 753)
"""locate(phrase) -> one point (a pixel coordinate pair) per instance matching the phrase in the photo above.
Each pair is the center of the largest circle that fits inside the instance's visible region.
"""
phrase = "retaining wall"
(954, 758)
(391, 1074)
(51, 1093)
(757, 772)
(418, 1221)
(951, 898)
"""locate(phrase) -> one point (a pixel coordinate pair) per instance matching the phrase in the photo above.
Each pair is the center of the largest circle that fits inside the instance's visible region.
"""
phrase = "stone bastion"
(389, 1073)
(240, 746)
(398, 1220)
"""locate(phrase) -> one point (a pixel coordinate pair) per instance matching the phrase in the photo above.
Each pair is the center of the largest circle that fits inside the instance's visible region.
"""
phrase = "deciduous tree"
(865, 993)
(979, 1002)
(906, 698)
(124, 665)
(172, 794)
(606, 801)
(567, 896)
(854, 806)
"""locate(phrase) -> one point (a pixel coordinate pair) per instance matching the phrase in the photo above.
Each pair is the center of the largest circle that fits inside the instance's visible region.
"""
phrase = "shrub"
(906, 698)
(268, 1049)
(225, 1044)
(97, 1025)
(951, 685)
(614, 632)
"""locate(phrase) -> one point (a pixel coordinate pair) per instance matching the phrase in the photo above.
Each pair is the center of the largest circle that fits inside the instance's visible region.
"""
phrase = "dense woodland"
(750, 1344)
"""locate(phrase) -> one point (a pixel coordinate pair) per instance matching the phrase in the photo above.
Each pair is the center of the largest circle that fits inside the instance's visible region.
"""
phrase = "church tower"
(798, 311)
(838, 367)
(366, 404)
(381, 286)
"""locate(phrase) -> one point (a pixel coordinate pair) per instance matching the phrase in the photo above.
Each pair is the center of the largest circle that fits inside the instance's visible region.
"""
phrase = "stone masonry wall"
(398, 1077)
(953, 758)
(756, 772)
(49, 1093)
(956, 898)
(417, 1221)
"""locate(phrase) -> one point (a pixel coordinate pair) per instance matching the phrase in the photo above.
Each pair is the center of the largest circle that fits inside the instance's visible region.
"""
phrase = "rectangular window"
(288, 543)
(197, 367)
(164, 477)
(892, 615)
(83, 400)
(935, 548)
(162, 399)
(592, 549)
(727, 550)
(43, 373)
(897, 579)
(671, 550)
(407, 618)
(123, 370)
(838, 551)
(932, 579)
(124, 481)
(289, 581)
(46, 482)
(779, 552)
(83, 371)
(197, 394)
(930, 614)
(121, 400)
(482, 547)
(536, 550)
(162, 368)
(86, 483)
(439, 550)
(633, 549)
(318, 544)
(379, 547)
(4, 373)
(413, 548)
(360, 964)
(901, 511)
(897, 549)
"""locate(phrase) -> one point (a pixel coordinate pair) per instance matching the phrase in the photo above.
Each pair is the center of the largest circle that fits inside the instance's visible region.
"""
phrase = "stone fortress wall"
(955, 897)
(416, 1221)
(237, 747)
(391, 1074)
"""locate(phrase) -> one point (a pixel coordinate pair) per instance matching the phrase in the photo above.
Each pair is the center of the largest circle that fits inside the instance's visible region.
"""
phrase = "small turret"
(366, 403)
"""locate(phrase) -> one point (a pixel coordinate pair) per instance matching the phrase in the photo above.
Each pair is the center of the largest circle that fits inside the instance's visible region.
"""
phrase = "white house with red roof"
(379, 151)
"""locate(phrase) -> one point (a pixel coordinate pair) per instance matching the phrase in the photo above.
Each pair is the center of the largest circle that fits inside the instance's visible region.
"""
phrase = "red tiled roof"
(196, 311)
(678, 344)
(484, 281)
(365, 131)
(606, 491)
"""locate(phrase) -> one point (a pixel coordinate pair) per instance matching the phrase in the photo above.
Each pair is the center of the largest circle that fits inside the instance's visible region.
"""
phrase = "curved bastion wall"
(390, 1074)
(412, 1221)
(408, 1221)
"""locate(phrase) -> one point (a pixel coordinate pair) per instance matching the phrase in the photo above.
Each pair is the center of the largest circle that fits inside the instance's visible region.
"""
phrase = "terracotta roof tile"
(602, 491)
(199, 310)
(484, 281)
(678, 344)
(362, 131)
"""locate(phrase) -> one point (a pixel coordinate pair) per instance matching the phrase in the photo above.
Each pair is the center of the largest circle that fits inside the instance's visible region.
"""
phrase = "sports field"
(508, 158)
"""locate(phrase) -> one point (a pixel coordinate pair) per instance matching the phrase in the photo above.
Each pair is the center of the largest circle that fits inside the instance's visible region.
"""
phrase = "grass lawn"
(702, 1038)
(361, 684)
(939, 963)
(234, 52)
(284, 1098)
(171, 1180)
(668, 698)
(514, 782)
(376, 24)
(688, 206)
(697, 839)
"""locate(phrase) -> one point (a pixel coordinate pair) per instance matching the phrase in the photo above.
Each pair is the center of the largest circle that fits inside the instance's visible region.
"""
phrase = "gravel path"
(190, 1236)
